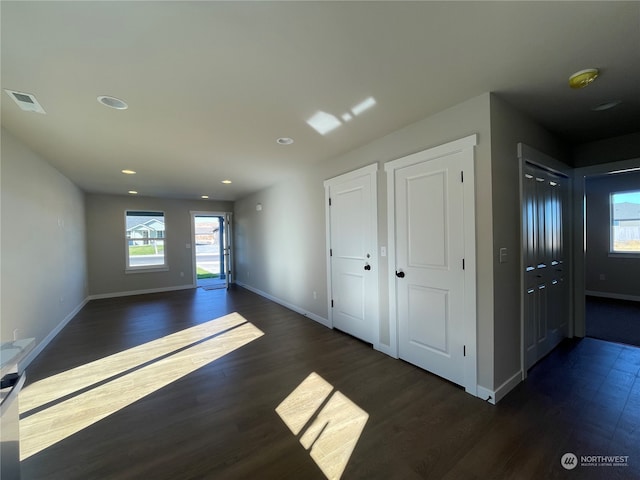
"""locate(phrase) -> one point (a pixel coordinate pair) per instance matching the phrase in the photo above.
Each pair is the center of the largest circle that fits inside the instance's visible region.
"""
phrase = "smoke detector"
(26, 101)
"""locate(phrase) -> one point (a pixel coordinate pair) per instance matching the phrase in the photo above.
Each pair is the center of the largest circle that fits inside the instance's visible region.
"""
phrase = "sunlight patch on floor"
(333, 423)
(46, 427)
(57, 386)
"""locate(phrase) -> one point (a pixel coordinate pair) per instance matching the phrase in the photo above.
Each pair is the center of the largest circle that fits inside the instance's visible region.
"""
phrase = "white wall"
(44, 271)
(281, 250)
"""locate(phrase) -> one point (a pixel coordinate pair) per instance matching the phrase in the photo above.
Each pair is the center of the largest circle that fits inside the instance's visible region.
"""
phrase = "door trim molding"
(372, 172)
(465, 145)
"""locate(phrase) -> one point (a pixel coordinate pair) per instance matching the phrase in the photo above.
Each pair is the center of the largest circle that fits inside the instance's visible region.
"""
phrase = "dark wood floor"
(219, 422)
(613, 320)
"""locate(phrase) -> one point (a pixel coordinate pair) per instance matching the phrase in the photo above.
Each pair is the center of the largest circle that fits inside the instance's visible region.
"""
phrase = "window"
(145, 239)
(625, 222)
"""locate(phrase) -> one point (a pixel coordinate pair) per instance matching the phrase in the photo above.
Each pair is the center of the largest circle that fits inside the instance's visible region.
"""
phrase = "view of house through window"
(145, 239)
(625, 222)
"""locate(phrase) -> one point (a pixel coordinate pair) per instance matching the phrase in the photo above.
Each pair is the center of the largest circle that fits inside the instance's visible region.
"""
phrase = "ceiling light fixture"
(126, 171)
(583, 78)
(226, 182)
(606, 106)
(112, 102)
(284, 141)
(133, 192)
(204, 196)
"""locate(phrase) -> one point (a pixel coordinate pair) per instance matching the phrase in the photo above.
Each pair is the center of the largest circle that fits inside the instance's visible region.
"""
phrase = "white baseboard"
(386, 349)
(46, 340)
(487, 395)
(494, 396)
(139, 292)
(617, 296)
(290, 306)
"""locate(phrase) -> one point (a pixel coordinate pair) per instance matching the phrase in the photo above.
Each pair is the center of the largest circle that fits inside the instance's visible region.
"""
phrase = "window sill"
(624, 254)
(161, 268)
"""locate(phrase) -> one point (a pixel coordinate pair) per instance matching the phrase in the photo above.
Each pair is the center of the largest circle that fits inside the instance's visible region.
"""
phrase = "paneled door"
(433, 313)
(546, 292)
(353, 260)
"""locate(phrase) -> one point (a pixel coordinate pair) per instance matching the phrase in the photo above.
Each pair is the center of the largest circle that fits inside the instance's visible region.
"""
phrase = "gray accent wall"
(106, 245)
(608, 150)
(508, 128)
(604, 273)
(44, 270)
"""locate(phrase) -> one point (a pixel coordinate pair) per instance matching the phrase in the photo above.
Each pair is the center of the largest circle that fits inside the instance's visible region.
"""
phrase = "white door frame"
(226, 216)
(372, 172)
(465, 145)
(578, 227)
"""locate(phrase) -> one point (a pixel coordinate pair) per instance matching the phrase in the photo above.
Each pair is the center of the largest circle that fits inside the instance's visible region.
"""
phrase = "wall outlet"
(182, 274)
(315, 295)
(383, 251)
(603, 276)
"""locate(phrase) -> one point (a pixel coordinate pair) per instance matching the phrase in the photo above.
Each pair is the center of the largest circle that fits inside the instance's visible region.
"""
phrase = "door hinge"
(332, 303)
(462, 176)
(464, 350)
(463, 263)
(329, 201)
(331, 252)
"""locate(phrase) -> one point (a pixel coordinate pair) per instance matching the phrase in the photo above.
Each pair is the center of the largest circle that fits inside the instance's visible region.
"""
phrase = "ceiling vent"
(25, 101)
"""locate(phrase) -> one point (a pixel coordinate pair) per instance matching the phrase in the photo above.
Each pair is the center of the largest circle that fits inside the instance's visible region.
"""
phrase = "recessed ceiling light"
(226, 182)
(126, 171)
(112, 102)
(204, 196)
(284, 141)
(606, 106)
(133, 192)
(583, 78)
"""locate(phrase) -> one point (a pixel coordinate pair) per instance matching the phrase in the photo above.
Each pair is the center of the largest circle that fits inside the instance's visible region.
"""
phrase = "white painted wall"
(43, 270)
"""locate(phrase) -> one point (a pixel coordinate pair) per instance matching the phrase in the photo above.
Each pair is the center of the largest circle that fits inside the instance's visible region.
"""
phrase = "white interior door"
(429, 252)
(432, 226)
(546, 293)
(353, 264)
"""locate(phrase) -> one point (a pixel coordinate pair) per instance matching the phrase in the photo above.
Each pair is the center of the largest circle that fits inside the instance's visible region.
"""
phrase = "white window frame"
(145, 268)
(612, 251)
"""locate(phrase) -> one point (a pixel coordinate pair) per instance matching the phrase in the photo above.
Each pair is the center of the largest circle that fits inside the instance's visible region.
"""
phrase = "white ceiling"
(212, 85)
